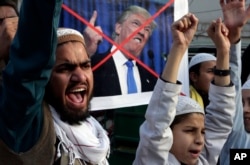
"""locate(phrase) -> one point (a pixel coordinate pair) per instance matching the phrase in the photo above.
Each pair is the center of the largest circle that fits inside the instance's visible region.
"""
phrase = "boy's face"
(246, 108)
(202, 81)
(188, 138)
(71, 82)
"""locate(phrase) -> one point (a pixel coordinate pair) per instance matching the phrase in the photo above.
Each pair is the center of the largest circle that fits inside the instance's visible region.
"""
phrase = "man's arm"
(221, 110)
(235, 16)
(27, 73)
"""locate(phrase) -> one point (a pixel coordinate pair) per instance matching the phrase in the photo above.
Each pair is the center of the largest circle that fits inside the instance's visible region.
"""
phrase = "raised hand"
(183, 32)
(92, 38)
(218, 32)
(8, 30)
(235, 17)
(184, 29)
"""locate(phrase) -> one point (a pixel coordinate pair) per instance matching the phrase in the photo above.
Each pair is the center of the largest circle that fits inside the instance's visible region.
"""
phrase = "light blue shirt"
(238, 138)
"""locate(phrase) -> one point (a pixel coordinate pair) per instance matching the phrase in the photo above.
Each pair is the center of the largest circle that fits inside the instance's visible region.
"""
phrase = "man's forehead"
(137, 17)
(140, 19)
(72, 50)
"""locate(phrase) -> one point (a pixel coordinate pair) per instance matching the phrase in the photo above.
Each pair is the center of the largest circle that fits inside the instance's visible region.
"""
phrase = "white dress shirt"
(122, 69)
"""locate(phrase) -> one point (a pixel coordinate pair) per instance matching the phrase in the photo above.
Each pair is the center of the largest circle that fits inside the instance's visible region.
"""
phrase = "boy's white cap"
(201, 57)
(246, 85)
(188, 105)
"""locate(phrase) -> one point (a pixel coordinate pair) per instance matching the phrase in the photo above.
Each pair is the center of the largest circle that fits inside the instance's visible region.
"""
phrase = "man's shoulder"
(96, 58)
(104, 58)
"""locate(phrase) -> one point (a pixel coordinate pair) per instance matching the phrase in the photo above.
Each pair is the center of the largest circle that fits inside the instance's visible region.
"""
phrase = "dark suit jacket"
(106, 81)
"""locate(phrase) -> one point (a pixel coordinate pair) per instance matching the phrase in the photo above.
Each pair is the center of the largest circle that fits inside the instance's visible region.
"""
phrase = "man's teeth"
(78, 90)
(138, 40)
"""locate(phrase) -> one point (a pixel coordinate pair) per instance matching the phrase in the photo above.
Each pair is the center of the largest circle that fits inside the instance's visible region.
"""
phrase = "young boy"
(174, 130)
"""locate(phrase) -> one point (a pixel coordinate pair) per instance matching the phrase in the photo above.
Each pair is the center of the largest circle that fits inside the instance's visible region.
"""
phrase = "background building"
(207, 11)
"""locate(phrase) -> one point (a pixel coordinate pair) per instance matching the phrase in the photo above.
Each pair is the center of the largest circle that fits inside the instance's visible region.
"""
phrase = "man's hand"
(8, 30)
(218, 32)
(235, 17)
(92, 38)
(184, 29)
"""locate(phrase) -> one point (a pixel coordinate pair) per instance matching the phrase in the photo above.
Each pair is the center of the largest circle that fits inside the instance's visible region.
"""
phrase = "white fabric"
(246, 85)
(156, 137)
(88, 141)
(120, 101)
(201, 57)
(180, 9)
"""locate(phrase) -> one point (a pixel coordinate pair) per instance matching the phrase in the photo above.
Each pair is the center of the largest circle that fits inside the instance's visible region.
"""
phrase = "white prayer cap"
(67, 35)
(188, 105)
(246, 85)
(201, 57)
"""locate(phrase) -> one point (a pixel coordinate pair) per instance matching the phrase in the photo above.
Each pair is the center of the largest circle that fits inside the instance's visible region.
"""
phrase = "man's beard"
(72, 117)
(67, 115)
